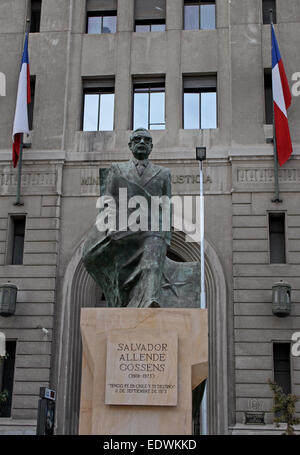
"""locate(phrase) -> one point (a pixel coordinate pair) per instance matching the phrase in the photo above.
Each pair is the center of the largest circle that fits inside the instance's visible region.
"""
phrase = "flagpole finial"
(271, 16)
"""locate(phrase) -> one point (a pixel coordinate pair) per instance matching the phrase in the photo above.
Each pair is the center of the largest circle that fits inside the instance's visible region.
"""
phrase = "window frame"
(33, 24)
(284, 213)
(199, 91)
(151, 86)
(11, 392)
(291, 369)
(263, 13)
(9, 256)
(97, 87)
(199, 3)
(100, 14)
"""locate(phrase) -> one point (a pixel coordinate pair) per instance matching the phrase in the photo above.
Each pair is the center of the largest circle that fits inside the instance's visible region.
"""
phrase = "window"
(268, 97)
(149, 104)
(268, 5)
(16, 235)
(200, 102)
(7, 377)
(199, 15)
(282, 365)
(150, 16)
(277, 238)
(98, 105)
(101, 16)
(31, 105)
(104, 22)
(35, 15)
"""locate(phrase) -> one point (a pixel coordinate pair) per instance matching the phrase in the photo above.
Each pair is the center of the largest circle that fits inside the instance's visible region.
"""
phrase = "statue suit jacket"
(155, 181)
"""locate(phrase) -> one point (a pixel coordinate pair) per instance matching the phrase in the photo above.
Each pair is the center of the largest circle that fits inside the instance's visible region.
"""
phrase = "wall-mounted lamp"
(200, 153)
(8, 299)
(281, 299)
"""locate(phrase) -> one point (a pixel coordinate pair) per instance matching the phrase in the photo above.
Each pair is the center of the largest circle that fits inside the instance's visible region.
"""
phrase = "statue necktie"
(140, 168)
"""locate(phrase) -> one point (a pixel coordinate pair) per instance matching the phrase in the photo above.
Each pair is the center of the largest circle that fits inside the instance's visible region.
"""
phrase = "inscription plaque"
(141, 368)
(254, 418)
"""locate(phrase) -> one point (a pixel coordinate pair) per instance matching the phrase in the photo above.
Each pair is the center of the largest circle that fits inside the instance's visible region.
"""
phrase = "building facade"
(197, 74)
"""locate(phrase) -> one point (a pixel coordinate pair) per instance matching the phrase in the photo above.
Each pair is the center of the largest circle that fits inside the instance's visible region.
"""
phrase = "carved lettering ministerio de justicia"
(176, 180)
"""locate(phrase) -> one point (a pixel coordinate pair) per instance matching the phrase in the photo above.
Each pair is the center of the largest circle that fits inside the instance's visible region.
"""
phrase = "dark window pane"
(208, 110)
(106, 112)
(282, 367)
(109, 24)
(207, 17)
(94, 25)
(267, 5)
(18, 240)
(191, 111)
(91, 112)
(268, 97)
(191, 17)
(7, 379)
(277, 238)
(31, 105)
(35, 15)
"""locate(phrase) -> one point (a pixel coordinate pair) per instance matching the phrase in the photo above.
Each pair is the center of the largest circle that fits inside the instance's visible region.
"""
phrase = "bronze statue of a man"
(128, 262)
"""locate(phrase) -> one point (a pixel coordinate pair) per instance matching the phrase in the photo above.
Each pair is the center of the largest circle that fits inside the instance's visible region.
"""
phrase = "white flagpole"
(201, 156)
(203, 420)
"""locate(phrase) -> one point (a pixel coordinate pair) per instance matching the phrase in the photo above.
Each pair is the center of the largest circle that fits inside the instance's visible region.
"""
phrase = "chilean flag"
(282, 99)
(23, 99)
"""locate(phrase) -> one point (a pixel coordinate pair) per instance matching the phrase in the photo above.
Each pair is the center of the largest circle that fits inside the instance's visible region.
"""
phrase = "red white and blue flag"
(282, 99)
(23, 99)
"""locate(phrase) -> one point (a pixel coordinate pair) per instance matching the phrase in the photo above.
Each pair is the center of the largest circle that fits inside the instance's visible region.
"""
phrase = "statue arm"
(107, 187)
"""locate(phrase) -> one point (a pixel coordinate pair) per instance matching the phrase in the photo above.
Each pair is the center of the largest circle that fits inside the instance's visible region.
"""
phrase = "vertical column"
(174, 16)
(123, 76)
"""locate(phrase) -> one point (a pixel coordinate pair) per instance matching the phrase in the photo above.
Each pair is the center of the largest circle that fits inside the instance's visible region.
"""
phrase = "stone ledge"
(242, 429)
(17, 427)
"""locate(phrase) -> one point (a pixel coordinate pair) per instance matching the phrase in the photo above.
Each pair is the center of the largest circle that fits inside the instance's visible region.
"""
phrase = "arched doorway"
(79, 290)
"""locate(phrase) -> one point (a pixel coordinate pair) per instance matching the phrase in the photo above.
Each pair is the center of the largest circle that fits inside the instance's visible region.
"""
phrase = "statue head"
(140, 143)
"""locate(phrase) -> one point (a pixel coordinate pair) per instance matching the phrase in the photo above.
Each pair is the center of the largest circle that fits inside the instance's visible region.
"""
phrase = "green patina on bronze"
(131, 267)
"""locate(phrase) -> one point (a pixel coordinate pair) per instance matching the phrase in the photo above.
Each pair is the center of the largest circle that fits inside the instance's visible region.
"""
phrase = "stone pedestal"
(139, 367)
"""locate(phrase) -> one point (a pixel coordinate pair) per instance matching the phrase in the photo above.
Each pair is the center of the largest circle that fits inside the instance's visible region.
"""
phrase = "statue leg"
(147, 276)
